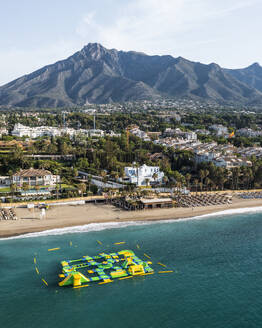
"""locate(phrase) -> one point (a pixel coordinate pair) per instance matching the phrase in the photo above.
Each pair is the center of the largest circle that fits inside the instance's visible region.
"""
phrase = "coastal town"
(131, 164)
(168, 158)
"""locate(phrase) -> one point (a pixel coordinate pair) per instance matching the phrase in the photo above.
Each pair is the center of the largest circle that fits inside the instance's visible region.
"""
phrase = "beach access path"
(75, 215)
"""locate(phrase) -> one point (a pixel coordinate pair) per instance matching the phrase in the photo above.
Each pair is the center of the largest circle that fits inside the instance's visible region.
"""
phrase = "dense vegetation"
(111, 155)
(108, 156)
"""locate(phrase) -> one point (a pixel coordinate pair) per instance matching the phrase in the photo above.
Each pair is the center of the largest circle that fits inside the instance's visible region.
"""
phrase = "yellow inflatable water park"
(102, 268)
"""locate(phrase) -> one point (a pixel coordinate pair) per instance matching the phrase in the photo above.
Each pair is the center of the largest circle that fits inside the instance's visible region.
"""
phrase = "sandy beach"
(74, 215)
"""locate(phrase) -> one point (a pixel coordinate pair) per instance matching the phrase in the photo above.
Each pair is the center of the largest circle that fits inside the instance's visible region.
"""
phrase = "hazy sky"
(35, 33)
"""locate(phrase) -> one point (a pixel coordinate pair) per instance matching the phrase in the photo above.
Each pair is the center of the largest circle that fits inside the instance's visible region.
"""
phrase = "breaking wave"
(118, 225)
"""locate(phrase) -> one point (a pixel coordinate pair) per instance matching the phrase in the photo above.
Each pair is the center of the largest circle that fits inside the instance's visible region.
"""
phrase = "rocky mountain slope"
(99, 75)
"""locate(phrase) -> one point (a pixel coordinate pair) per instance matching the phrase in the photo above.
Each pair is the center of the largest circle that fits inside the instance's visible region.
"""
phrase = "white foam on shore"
(118, 225)
(79, 229)
(230, 212)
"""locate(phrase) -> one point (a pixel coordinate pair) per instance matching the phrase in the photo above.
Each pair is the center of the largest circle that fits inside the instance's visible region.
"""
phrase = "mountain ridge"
(99, 75)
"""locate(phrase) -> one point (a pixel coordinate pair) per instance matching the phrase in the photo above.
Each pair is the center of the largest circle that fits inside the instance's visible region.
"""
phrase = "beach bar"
(157, 203)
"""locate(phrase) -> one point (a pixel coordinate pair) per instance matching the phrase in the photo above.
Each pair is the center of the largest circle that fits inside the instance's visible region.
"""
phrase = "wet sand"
(75, 215)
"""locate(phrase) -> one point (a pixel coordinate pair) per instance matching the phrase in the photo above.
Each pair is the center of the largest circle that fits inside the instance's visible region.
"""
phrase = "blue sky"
(35, 33)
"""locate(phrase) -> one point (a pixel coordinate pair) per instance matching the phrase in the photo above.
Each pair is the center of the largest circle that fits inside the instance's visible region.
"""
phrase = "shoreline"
(69, 216)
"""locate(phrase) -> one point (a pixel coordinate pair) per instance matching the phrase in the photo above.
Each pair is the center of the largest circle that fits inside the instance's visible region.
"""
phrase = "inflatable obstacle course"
(102, 268)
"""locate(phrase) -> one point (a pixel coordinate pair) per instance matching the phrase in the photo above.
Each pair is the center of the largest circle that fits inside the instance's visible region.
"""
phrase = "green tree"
(82, 188)
(25, 186)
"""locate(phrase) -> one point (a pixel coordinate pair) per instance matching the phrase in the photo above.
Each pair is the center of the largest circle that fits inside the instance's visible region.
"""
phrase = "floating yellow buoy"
(165, 271)
(107, 281)
(125, 277)
(120, 243)
(81, 286)
(146, 274)
(99, 242)
(147, 256)
(36, 270)
(45, 282)
(163, 265)
(53, 249)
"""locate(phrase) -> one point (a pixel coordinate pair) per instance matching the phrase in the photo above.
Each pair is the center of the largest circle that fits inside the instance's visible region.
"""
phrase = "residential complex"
(40, 131)
(20, 130)
(225, 155)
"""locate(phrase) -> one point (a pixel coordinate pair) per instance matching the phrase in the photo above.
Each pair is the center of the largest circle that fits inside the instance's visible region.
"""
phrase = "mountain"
(251, 75)
(99, 75)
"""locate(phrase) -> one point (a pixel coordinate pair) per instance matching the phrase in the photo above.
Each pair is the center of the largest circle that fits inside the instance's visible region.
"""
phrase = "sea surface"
(217, 278)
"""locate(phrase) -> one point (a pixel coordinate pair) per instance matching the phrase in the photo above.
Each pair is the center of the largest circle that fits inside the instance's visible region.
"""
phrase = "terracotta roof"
(32, 173)
(156, 156)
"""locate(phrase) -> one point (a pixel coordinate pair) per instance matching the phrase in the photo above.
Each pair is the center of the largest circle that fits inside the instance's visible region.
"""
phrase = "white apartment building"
(41, 131)
(140, 134)
(231, 162)
(246, 132)
(219, 129)
(95, 133)
(188, 135)
(205, 156)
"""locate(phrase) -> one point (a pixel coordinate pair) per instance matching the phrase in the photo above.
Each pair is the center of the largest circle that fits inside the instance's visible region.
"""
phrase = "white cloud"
(151, 26)
(201, 30)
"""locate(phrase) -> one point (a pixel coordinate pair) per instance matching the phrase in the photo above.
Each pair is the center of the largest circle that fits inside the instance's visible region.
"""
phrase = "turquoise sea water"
(217, 279)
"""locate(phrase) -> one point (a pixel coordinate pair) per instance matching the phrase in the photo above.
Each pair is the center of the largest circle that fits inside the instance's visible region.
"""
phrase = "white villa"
(143, 175)
(35, 177)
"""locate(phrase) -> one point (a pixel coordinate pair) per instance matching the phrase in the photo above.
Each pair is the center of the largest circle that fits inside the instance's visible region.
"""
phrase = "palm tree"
(147, 181)
(235, 177)
(188, 178)
(103, 175)
(206, 173)
(13, 188)
(165, 179)
(89, 178)
(155, 176)
(196, 184)
(202, 176)
(57, 189)
(208, 182)
(222, 180)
